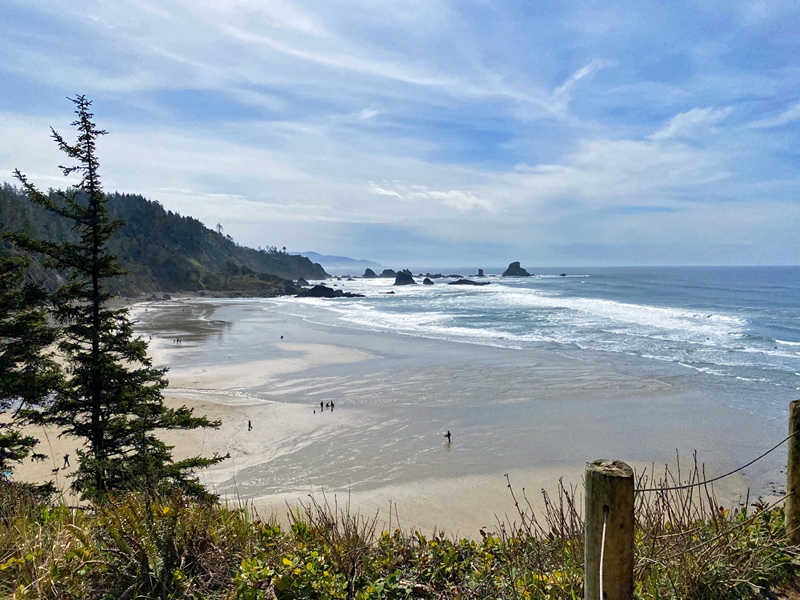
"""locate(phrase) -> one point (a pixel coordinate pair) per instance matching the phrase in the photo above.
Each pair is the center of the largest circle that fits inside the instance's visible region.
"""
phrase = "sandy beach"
(533, 415)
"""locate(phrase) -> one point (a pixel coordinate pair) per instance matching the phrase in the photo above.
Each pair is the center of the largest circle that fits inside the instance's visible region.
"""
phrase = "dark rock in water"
(455, 276)
(369, 274)
(404, 278)
(427, 281)
(563, 275)
(166, 297)
(202, 294)
(303, 282)
(322, 291)
(468, 282)
(388, 273)
(350, 279)
(318, 291)
(480, 273)
(514, 270)
(387, 292)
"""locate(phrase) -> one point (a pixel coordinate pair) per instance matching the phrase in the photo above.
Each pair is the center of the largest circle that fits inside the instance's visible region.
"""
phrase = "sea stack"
(404, 278)
(369, 274)
(388, 273)
(515, 270)
(427, 281)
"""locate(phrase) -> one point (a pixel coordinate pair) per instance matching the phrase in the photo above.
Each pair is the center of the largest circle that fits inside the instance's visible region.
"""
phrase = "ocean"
(732, 332)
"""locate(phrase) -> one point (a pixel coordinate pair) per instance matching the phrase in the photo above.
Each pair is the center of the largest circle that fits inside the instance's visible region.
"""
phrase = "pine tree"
(28, 373)
(113, 398)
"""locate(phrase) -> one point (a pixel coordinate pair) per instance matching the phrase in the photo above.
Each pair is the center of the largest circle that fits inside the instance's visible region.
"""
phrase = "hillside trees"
(28, 373)
(112, 399)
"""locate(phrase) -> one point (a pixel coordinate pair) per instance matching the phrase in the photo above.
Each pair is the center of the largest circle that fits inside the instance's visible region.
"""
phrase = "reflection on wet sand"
(190, 322)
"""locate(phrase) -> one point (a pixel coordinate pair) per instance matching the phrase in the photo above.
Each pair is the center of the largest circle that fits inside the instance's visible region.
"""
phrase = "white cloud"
(367, 114)
(691, 123)
(789, 115)
(459, 199)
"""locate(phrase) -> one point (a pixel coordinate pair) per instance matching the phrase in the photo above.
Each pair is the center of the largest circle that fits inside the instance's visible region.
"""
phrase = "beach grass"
(171, 547)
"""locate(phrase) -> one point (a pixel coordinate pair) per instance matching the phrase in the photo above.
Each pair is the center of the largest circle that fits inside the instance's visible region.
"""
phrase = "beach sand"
(533, 415)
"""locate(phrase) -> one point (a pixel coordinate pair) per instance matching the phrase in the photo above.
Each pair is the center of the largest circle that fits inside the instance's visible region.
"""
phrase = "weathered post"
(792, 521)
(609, 502)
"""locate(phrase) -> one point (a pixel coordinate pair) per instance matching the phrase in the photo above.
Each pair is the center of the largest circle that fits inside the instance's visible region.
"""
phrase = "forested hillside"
(164, 251)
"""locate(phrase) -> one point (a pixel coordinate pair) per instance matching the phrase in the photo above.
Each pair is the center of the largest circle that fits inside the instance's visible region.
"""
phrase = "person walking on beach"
(332, 405)
(249, 425)
(66, 461)
(447, 435)
(321, 406)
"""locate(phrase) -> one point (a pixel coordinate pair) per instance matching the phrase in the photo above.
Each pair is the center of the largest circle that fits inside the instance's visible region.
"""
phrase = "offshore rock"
(480, 273)
(404, 278)
(322, 291)
(318, 291)
(303, 282)
(369, 274)
(468, 282)
(427, 281)
(514, 270)
(388, 273)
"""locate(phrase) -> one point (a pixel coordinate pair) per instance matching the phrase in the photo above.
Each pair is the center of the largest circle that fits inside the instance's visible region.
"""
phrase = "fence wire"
(713, 479)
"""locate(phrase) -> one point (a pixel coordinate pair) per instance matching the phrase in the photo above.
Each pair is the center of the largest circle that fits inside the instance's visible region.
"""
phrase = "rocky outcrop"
(323, 291)
(387, 273)
(427, 281)
(563, 275)
(303, 282)
(468, 282)
(515, 270)
(404, 278)
(480, 273)
(369, 274)
(318, 291)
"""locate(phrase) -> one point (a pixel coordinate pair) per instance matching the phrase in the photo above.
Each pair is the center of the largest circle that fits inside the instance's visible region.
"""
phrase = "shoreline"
(532, 414)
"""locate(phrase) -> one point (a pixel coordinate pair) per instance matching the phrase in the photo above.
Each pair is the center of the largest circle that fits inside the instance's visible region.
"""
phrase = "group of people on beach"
(177, 341)
(324, 405)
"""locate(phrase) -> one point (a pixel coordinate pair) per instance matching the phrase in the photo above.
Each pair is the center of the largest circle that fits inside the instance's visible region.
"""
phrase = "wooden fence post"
(792, 507)
(609, 501)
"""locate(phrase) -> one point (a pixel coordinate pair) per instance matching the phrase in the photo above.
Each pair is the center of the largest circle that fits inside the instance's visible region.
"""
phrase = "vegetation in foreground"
(173, 547)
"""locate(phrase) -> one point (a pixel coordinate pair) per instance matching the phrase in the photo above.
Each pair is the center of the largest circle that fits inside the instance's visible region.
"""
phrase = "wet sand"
(532, 414)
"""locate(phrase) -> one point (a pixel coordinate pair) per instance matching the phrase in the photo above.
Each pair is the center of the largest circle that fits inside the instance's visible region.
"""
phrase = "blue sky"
(431, 132)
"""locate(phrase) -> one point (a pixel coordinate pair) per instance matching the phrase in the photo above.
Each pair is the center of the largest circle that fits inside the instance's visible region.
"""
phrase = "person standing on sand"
(321, 406)
(66, 461)
(332, 405)
(447, 435)
(249, 425)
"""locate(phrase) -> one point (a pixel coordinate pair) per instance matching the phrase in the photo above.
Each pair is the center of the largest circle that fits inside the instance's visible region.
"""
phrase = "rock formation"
(468, 282)
(303, 282)
(514, 270)
(427, 281)
(388, 273)
(369, 274)
(404, 278)
(322, 291)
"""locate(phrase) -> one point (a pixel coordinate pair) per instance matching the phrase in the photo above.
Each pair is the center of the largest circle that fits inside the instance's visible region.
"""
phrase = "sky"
(468, 132)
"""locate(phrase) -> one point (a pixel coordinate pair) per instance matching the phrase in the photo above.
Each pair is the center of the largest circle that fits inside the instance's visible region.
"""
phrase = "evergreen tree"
(28, 374)
(112, 399)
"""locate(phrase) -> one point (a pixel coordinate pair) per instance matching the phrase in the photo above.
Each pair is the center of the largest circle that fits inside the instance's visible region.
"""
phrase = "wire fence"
(713, 479)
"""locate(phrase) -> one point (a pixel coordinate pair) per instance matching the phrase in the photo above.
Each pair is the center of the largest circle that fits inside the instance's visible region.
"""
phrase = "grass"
(135, 547)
